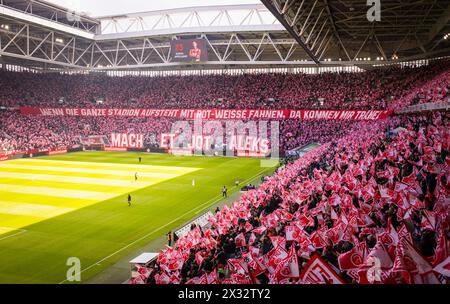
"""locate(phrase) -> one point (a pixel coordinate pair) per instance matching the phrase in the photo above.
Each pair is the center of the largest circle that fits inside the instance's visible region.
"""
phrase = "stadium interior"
(322, 158)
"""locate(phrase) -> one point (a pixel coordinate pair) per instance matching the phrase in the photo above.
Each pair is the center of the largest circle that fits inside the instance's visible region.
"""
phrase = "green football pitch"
(75, 205)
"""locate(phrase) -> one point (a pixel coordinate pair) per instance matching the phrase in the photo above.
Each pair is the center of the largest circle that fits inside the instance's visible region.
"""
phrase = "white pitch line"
(152, 232)
(21, 231)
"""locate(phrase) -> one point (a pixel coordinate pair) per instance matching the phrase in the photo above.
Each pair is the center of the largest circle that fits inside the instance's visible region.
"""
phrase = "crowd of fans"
(25, 133)
(380, 193)
(374, 89)
(437, 90)
(390, 88)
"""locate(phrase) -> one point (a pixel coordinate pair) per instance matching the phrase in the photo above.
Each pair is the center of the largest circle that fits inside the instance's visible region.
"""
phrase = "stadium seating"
(28, 132)
(434, 91)
(375, 89)
(379, 193)
(397, 88)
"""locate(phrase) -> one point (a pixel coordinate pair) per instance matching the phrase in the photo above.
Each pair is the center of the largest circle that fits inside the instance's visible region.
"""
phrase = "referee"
(129, 200)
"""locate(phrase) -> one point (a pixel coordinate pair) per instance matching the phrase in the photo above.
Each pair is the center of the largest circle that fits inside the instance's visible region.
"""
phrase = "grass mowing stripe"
(143, 182)
(20, 208)
(104, 171)
(48, 199)
(35, 170)
(201, 207)
(81, 164)
(64, 193)
(67, 184)
(70, 185)
(18, 221)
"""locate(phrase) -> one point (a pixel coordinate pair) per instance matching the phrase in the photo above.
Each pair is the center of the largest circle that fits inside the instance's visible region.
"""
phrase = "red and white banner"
(212, 114)
(317, 271)
(125, 140)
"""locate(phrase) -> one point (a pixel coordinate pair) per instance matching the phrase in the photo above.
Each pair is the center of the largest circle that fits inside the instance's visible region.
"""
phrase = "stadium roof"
(406, 28)
(275, 33)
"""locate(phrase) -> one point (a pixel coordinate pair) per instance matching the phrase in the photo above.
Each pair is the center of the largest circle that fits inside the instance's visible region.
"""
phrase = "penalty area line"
(152, 232)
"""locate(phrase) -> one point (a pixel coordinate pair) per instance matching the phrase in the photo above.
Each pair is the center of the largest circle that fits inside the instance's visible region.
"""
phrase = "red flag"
(384, 174)
(240, 240)
(260, 230)
(428, 220)
(257, 266)
(282, 272)
(254, 251)
(410, 179)
(428, 151)
(333, 214)
(318, 240)
(198, 280)
(144, 271)
(241, 279)
(175, 264)
(336, 233)
(390, 237)
(175, 279)
(334, 200)
(278, 241)
(379, 253)
(437, 147)
(199, 258)
(305, 221)
(140, 279)
(409, 262)
(317, 271)
(441, 252)
(443, 268)
(252, 239)
(248, 227)
(212, 277)
(292, 260)
(162, 278)
(399, 187)
(288, 268)
(275, 256)
(404, 233)
(236, 265)
(385, 192)
(353, 258)
(292, 232)
(229, 281)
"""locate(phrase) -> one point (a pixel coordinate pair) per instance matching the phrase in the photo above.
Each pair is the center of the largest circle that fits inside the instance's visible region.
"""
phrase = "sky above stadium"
(113, 7)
